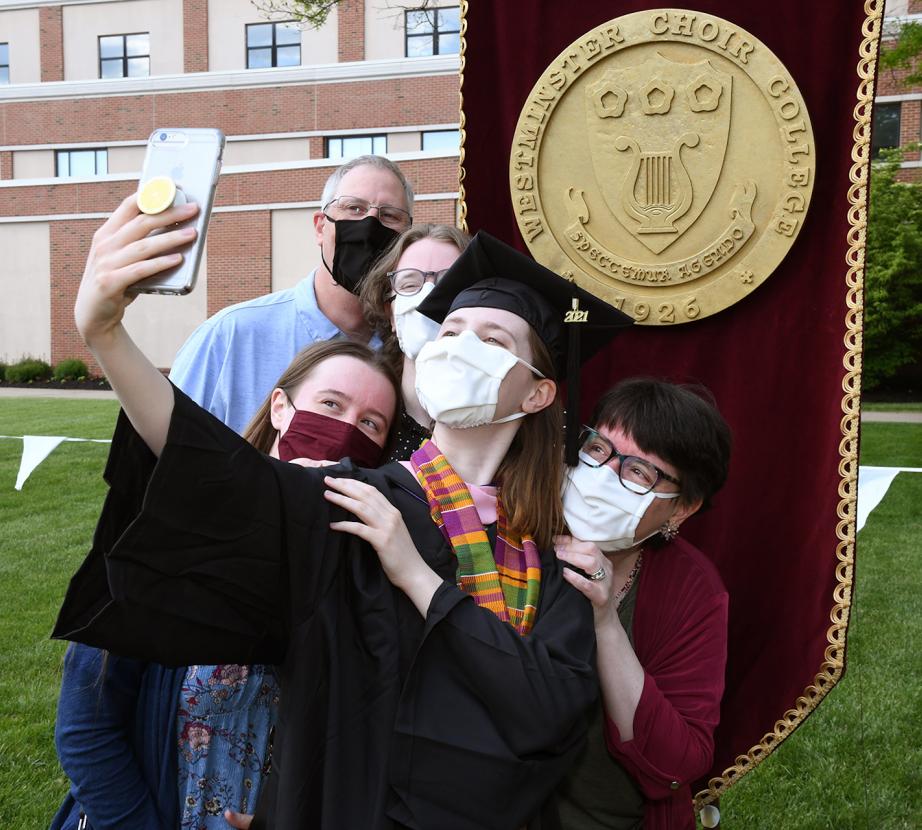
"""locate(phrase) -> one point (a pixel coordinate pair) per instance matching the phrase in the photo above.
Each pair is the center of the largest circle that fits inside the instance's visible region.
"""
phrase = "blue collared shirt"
(232, 361)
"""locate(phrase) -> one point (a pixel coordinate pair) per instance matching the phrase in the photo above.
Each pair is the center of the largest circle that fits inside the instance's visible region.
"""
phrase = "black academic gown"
(219, 554)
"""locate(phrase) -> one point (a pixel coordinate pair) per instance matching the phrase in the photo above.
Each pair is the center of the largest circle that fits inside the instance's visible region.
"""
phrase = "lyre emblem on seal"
(661, 182)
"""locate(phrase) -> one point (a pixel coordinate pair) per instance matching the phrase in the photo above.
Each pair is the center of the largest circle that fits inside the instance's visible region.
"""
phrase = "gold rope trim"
(831, 670)
(462, 202)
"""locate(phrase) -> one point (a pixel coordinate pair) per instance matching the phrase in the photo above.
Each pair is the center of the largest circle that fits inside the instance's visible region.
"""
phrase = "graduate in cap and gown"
(436, 669)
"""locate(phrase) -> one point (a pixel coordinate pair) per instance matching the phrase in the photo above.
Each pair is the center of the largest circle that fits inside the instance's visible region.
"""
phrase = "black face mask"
(358, 243)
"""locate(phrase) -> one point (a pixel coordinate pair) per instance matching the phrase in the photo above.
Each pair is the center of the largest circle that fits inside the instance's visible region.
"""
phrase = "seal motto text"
(665, 162)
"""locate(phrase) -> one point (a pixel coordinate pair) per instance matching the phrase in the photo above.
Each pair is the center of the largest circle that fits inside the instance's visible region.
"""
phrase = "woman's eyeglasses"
(637, 474)
(410, 281)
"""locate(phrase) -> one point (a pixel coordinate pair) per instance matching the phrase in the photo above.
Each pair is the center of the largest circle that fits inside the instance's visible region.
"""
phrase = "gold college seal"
(664, 161)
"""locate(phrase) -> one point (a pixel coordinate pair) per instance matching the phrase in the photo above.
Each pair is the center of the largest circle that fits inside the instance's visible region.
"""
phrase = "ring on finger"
(601, 573)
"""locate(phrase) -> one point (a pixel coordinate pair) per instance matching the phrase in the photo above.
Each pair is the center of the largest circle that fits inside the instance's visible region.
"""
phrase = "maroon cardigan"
(680, 638)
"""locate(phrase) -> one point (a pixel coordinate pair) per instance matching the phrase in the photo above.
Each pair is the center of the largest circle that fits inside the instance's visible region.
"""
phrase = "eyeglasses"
(636, 474)
(410, 281)
(352, 207)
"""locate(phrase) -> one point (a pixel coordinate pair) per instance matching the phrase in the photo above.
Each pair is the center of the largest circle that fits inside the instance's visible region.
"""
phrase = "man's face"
(377, 186)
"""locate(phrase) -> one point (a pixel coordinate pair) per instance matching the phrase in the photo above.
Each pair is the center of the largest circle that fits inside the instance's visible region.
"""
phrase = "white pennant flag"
(873, 483)
(35, 449)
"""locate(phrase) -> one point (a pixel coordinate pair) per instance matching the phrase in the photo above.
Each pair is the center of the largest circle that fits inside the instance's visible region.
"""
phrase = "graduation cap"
(571, 322)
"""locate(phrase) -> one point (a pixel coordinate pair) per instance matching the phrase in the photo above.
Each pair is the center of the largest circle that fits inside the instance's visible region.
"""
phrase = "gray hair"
(329, 189)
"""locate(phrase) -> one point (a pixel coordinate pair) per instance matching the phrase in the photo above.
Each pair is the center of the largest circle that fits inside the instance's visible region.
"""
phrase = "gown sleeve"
(95, 721)
(188, 560)
(523, 701)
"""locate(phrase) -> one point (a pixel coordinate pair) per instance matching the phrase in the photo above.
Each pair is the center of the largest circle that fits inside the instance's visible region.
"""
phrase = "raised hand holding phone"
(125, 251)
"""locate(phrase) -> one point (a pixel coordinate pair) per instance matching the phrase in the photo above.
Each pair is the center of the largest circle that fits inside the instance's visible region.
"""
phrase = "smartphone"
(192, 158)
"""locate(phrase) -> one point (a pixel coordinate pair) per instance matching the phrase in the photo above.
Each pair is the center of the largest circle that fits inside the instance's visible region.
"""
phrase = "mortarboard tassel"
(573, 318)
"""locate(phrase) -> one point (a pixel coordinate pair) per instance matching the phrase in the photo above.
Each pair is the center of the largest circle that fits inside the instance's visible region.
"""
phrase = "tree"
(893, 257)
(904, 52)
(312, 13)
(893, 273)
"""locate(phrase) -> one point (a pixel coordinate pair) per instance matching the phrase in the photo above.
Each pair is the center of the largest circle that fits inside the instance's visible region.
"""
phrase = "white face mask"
(413, 329)
(458, 380)
(599, 508)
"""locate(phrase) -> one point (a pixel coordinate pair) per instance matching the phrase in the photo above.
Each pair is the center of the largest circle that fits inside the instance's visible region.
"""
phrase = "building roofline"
(329, 73)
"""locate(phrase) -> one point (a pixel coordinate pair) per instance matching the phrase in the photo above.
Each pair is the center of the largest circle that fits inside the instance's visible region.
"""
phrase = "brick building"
(84, 82)
(898, 107)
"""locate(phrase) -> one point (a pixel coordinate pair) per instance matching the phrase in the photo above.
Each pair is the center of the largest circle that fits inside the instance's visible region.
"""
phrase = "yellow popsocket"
(158, 194)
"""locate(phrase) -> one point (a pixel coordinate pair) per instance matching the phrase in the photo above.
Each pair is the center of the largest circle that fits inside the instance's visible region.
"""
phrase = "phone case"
(192, 158)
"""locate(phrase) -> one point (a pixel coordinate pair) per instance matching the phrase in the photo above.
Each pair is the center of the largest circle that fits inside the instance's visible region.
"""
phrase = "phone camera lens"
(163, 136)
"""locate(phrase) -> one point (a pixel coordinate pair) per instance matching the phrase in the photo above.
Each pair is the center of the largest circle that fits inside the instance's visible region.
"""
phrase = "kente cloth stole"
(507, 580)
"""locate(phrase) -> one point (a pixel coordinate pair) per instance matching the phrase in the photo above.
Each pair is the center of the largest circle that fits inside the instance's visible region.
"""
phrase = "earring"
(669, 530)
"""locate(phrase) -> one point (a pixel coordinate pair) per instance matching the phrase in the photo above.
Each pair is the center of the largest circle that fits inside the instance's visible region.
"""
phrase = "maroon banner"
(781, 362)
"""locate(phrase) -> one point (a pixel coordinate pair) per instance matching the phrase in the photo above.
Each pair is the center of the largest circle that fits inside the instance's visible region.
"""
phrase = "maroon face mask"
(322, 438)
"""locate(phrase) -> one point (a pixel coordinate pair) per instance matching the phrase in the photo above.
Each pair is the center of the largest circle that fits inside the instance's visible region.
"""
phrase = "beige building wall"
(83, 24)
(384, 26)
(33, 164)
(260, 152)
(126, 159)
(403, 142)
(295, 252)
(161, 324)
(25, 289)
(227, 21)
(20, 29)
(383, 30)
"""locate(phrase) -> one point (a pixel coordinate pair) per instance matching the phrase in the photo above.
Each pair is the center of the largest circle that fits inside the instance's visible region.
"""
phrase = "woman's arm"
(96, 711)
(621, 677)
(122, 254)
(663, 705)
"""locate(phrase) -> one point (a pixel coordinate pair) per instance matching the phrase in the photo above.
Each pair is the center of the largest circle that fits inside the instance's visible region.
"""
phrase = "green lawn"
(44, 531)
(855, 763)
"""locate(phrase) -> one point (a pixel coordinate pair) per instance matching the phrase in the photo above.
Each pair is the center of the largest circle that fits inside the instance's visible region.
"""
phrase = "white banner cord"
(873, 482)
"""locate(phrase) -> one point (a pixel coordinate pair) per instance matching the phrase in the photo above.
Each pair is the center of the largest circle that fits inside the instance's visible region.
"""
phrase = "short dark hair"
(678, 422)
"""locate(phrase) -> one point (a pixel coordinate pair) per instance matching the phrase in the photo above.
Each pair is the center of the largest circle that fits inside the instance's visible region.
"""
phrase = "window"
(124, 56)
(4, 63)
(273, 44)
(350, 146)
(433, 32)
(81, 162)
(442, 140)
(886, 132)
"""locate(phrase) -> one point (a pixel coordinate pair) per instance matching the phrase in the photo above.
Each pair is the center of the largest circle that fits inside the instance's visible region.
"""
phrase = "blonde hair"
(262, 434)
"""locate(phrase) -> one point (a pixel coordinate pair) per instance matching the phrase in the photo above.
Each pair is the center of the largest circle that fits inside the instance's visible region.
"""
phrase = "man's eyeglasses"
(637, 474)
(352, 207)
(410, 281)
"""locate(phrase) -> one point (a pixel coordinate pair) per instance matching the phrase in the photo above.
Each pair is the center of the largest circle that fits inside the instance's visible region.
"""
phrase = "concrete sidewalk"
(86, 394)
(893, 417)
